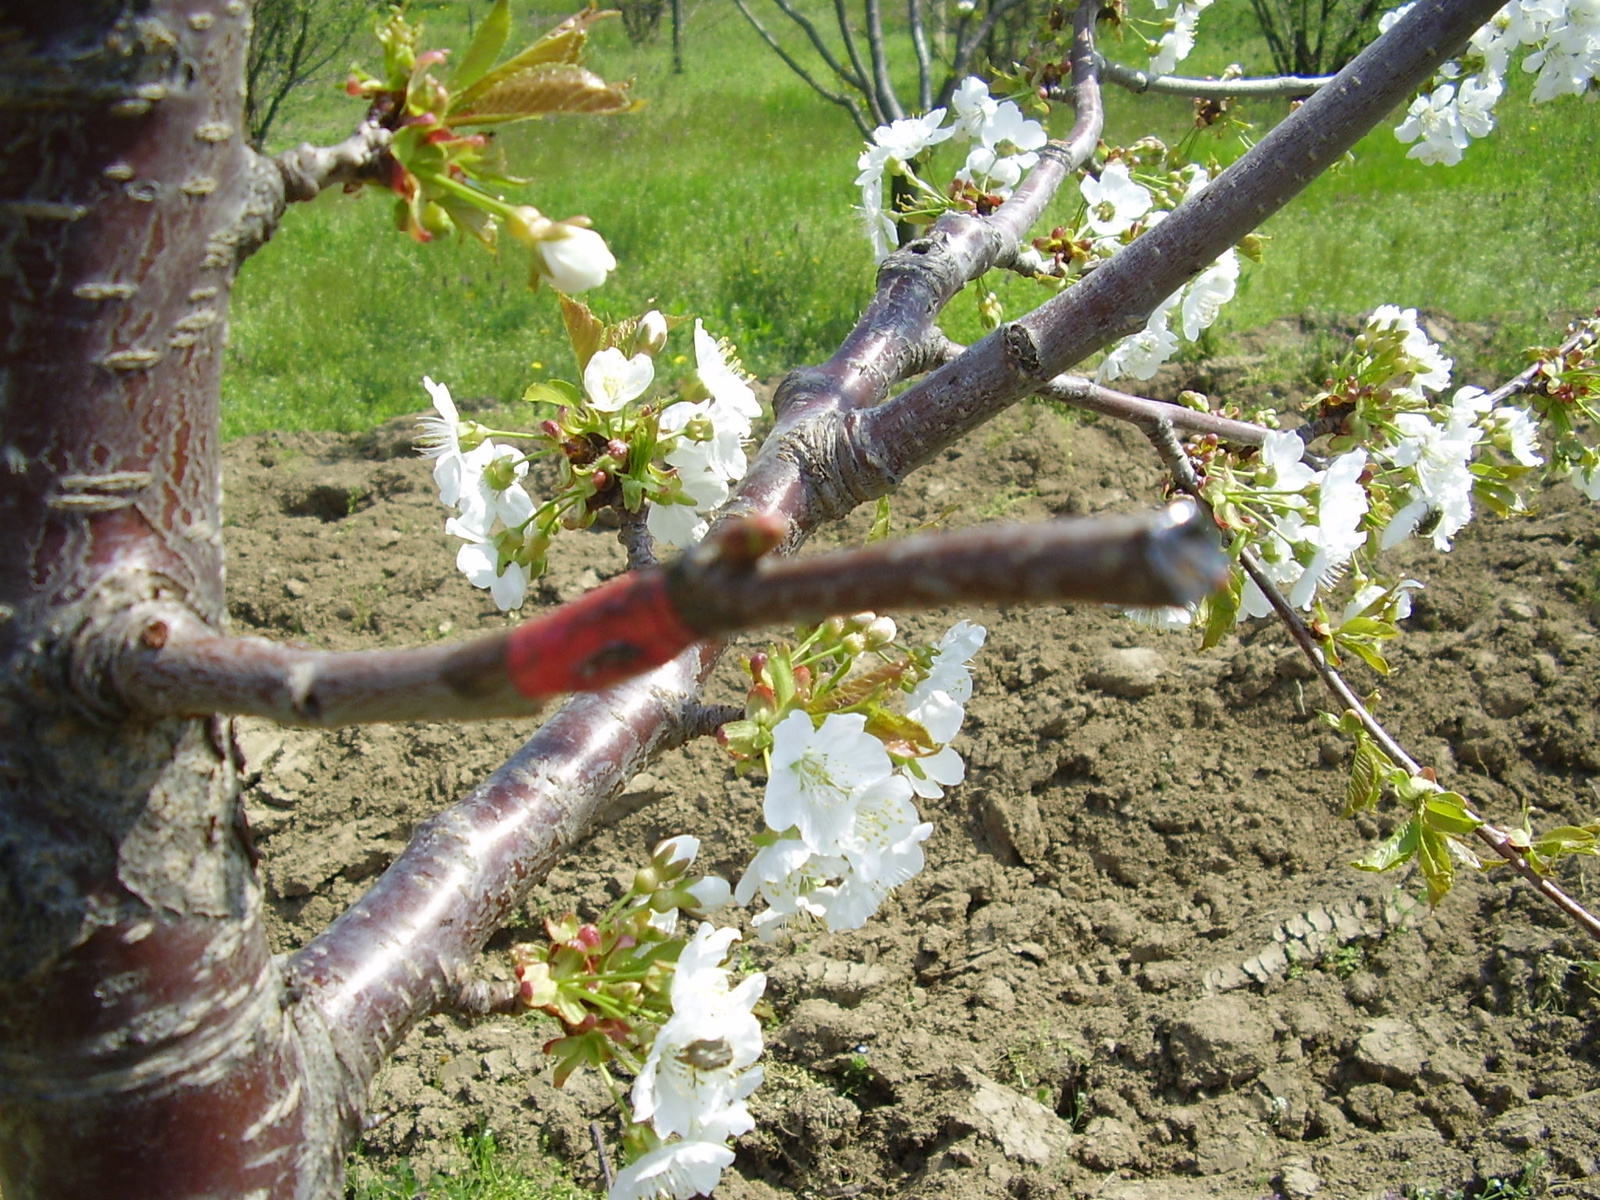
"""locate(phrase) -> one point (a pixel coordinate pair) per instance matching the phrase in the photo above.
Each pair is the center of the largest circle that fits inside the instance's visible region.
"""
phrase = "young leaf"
(880, 521)
(585, 331)
(1447, 814)
(1222, 611)
(1366, 778)
(1397, 848)
(563, 44)
(552, 391)
(1438, 868)
(486, 46)
(538, 91)
(1568, 839)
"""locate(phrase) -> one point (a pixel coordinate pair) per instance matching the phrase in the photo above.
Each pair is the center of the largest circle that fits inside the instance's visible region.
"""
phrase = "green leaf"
(1368, 627)
(553, 391)
(1367, 653)
(880, 521)
(899, 733)
(1366, 778)
(1438, 868)
(1399, 847)
(1568, 839)
(486, 46)
(1222, 611)
(1447, 814)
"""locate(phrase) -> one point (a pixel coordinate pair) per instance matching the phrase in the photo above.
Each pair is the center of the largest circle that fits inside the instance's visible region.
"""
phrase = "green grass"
(486, 1177)
(729, 197)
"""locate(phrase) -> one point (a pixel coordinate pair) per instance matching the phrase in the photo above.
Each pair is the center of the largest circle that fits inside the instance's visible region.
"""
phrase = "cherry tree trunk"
(146, 1048)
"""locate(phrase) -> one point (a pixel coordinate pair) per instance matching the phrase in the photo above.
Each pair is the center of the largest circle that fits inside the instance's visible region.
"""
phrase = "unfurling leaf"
(899, 733)
(1438, 868)
(1222, 611)
(1447, 814)
(563, 44)
(586, 331)
(1567, 839)
(1399, 847)
(551, 88)
(1367, 770)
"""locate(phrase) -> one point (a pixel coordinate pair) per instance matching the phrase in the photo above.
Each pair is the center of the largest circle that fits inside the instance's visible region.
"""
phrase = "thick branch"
(1117, 298)
(1135, 80)
(308, 170)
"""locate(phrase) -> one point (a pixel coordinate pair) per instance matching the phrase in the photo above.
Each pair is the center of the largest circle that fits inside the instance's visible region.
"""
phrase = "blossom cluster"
(1178, 38)
(613, 444)
(1404, 462)
(844, 829)
(689, 1095)
(1119, 207)
(1005, 144)
(1565, 39)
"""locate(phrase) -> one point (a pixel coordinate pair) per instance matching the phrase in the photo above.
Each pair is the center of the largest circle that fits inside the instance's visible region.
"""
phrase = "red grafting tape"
(620, 629)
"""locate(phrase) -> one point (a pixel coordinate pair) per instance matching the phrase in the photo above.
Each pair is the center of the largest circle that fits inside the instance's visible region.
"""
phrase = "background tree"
(1315, 38)
(293, 44)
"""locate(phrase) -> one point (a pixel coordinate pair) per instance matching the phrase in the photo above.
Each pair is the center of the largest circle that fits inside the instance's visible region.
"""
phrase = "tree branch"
(861, 83)
(880, 114)
(174, 665)
(307, 170)
(1137, 81)
(1091, 396)
(832, 97)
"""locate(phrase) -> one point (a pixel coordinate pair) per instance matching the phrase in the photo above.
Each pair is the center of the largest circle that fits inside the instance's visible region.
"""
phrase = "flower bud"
(436, 220)
(618, 450)
(652, 334)
(646, 880)
(858, 622)
(572, 259)
(879, 633)
(471, 435)
(600, 481)
(699, 429)
(833, 629)
(707, 894)
(673, 856)
(758, 664)
(854, 644)
(588, 937)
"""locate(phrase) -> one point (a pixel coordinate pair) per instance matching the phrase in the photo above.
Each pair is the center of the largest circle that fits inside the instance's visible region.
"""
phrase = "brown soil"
(1137, 964)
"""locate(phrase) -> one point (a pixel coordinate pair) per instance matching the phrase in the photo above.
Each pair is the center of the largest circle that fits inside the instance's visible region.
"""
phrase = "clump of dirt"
(1137, 964)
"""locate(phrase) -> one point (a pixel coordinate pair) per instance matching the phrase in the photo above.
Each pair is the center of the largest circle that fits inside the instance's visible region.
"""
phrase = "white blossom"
(574, 260)
(1142, 354)
(481, 562)
(1176, 43)
(611, 379)
(676, 1171)
(1429, 368)
(1115, 201)
(494, 493)
(1439, 456)
(700, 1068)
(1208, 292)
(1586, 480)
(815, 773)
(456, 470)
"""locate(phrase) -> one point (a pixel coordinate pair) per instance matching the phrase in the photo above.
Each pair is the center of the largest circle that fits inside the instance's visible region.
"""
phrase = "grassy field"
(729, 197)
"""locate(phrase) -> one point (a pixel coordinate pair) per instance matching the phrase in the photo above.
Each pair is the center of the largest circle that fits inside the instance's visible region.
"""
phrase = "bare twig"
(1135, 80)
(1172, 454)
(599, 1137)
(1582, 335)
(307, 170)
(1145, 413)
(703, 720)
(860, 83)
(832, 97)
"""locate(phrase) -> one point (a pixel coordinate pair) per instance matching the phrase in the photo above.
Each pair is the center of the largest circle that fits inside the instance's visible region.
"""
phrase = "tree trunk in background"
(677, 37)
(148, 1048)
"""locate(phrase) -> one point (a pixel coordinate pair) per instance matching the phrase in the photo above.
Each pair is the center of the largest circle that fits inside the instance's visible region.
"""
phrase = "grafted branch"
(179, 667)
(308, 170)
